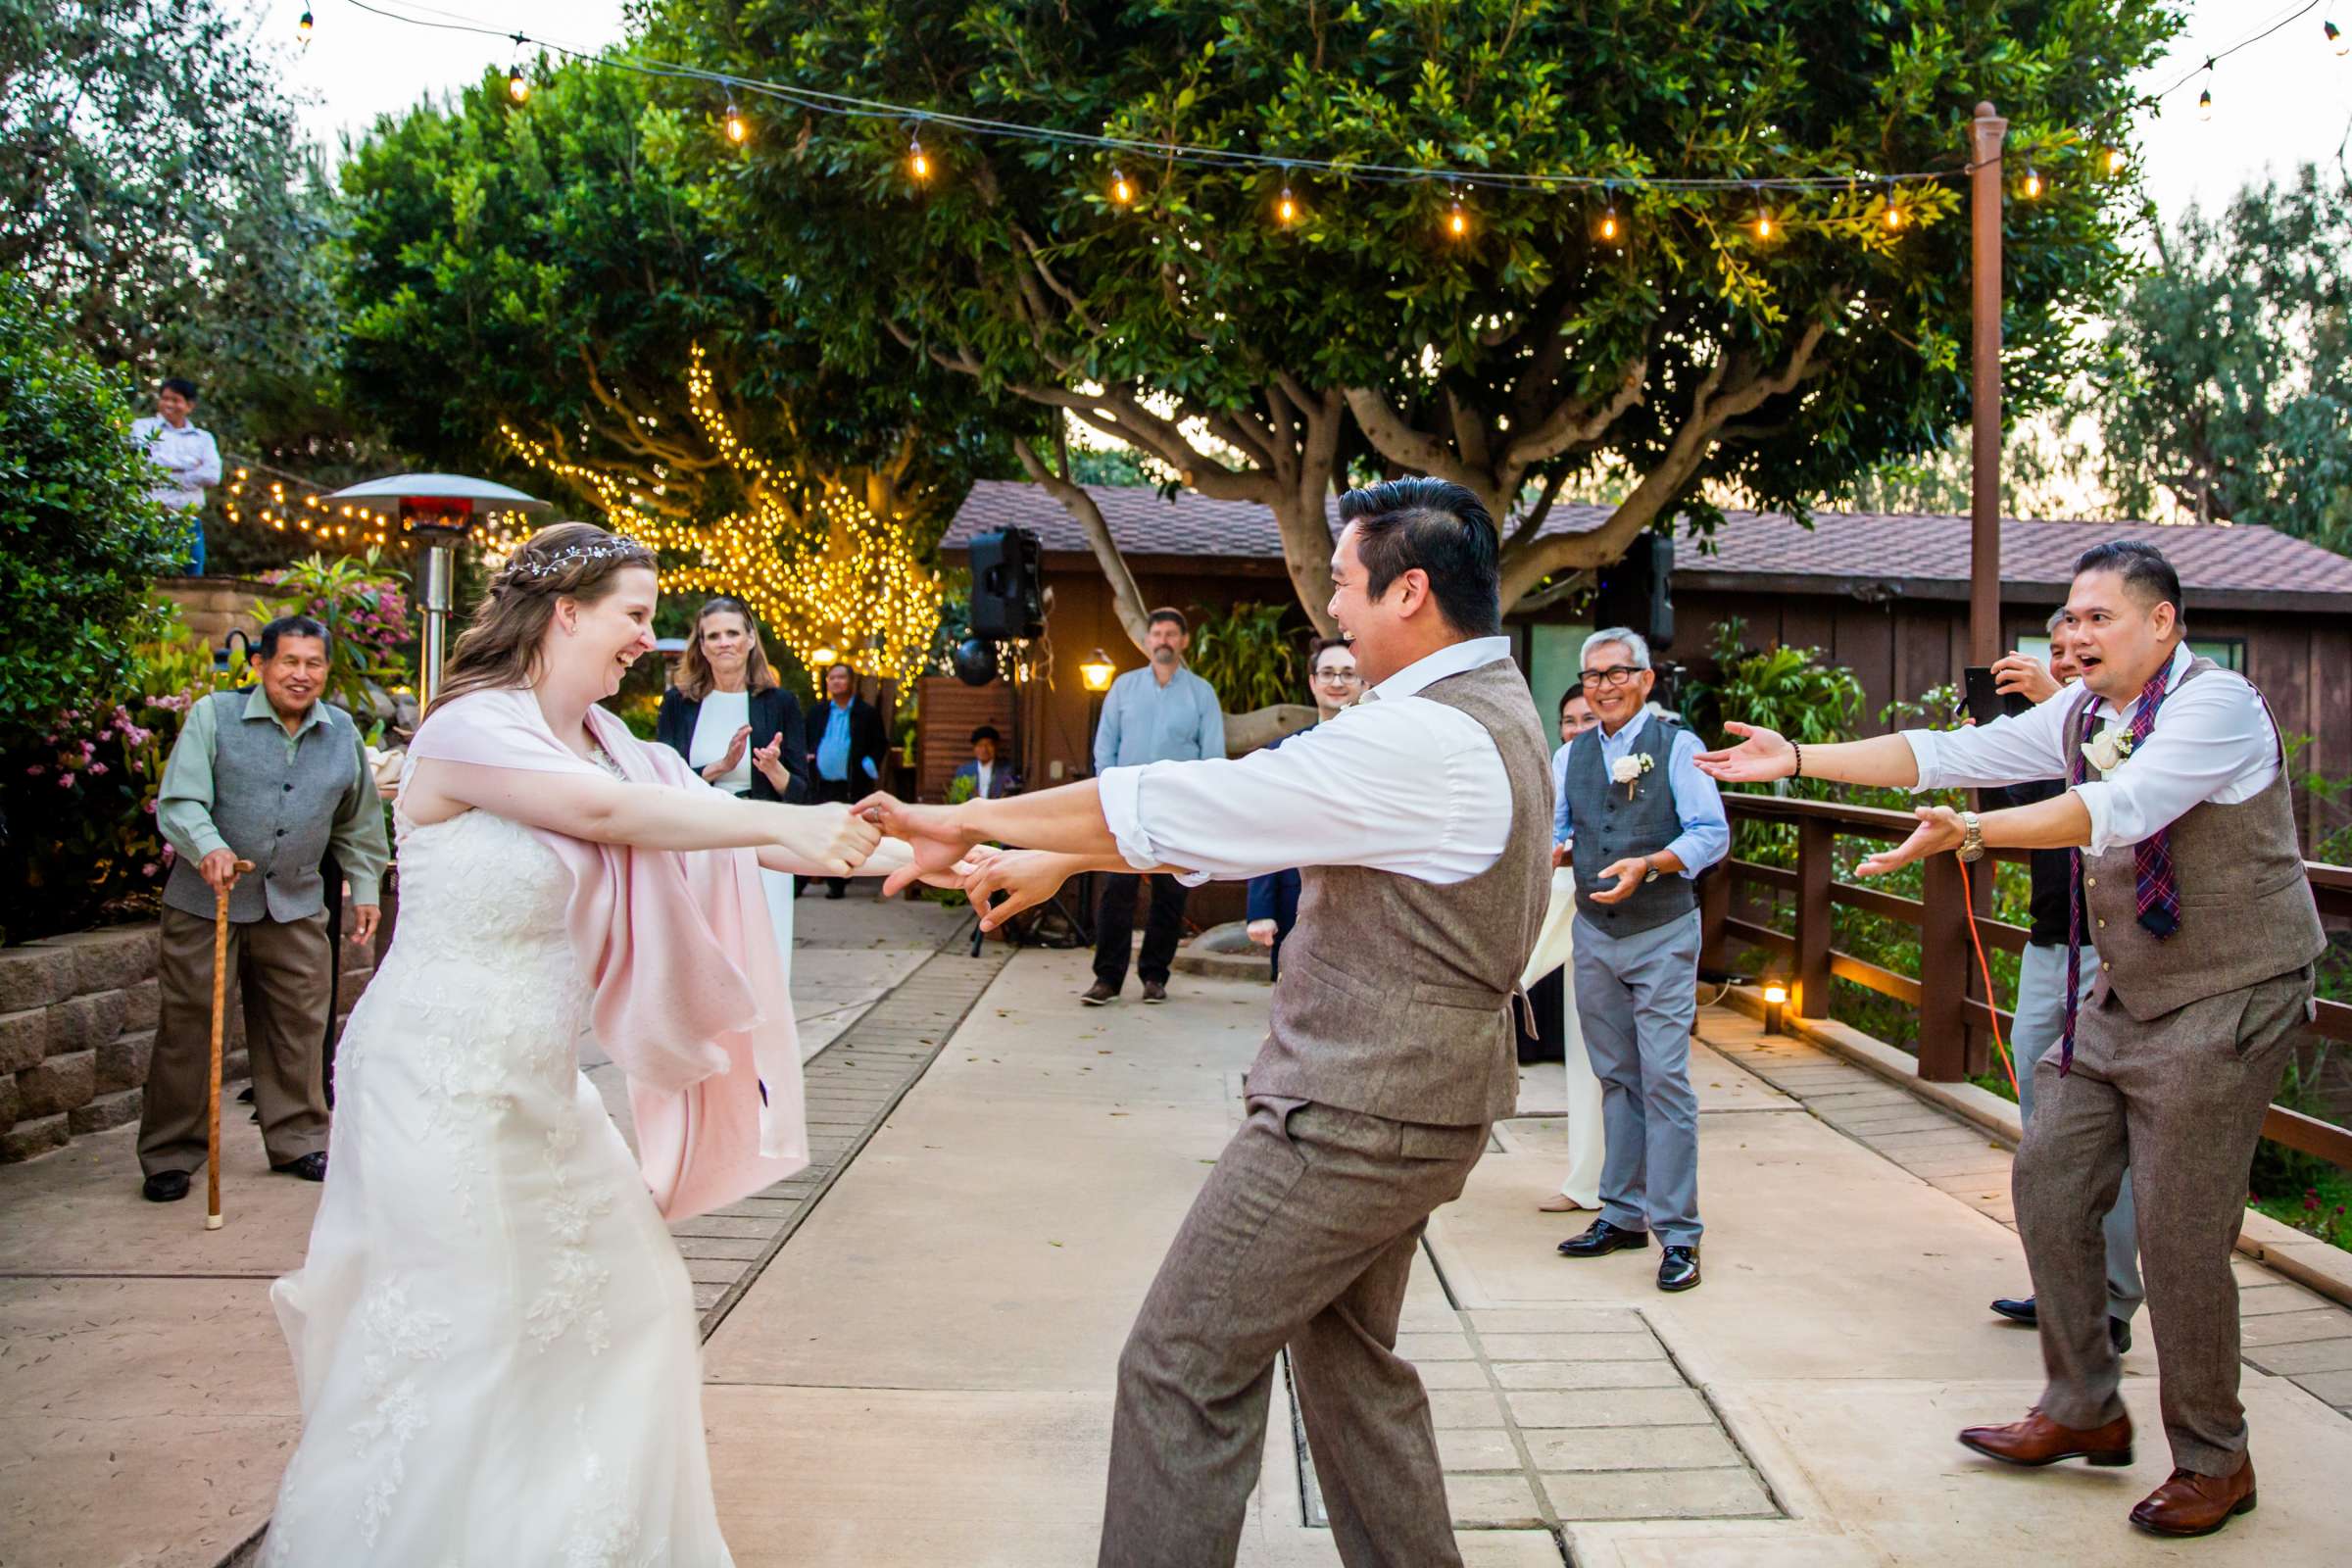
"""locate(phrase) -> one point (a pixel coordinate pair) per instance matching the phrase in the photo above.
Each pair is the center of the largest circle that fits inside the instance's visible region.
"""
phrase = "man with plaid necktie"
(2181, 818)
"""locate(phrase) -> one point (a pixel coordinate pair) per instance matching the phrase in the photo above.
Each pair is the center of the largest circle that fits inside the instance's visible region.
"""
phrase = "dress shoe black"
(2019, 1310)
(1100, 995)
(310, 1167)
(165, 1187)
(1677, 1269)
(2118, 1334)
(836, 892)
(1156, 991)
(1601, 1238)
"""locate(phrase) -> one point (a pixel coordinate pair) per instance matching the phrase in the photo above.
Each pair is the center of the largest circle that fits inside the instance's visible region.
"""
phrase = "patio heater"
(438, 509)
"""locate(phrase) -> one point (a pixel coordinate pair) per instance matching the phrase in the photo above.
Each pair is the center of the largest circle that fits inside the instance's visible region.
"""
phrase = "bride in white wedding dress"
(493, 1332)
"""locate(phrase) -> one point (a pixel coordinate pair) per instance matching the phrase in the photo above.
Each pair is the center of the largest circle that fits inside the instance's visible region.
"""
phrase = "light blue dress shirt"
(833, 750)
(1144, 721)
(1706, 835)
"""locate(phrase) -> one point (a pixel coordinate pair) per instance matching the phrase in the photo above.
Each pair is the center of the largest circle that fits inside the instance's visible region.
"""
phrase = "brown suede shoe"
(2191, 1504)
(2038, 1440)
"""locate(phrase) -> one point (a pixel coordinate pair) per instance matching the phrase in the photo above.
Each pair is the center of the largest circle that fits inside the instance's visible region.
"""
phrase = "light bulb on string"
(2033, 185)
(737, 130)
(302, 29)
(1122, 192)
(1458, 222)
(517, 87)
(2336, 37)
(1894, 208)
(1766, 228)
(1286, 207)
(918, 161)
(1610, 228)
(2116, 160)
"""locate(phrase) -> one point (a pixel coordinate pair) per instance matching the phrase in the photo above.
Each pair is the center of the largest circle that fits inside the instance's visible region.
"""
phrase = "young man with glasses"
(1274, 897)
(1644, 821)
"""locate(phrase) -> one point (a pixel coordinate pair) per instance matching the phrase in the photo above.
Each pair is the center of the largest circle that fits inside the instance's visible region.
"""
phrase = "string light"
(2115, 160)
(302, 29)
(2033, 183)
(2336, 37)
(1458, 222)
(1286, 207)
(918, 162)
(1765, 227)
(1120, 191)
(1610, 228)
(736, 128)
(517, 87)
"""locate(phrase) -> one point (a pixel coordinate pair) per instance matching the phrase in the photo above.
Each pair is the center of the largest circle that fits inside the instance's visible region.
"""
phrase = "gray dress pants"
(1303, 1235)
(1636, 998)
(2182, 1095)
(2041, 1024)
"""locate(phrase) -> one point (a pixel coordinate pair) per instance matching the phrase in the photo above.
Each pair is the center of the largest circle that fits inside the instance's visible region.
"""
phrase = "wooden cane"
(211, 1137)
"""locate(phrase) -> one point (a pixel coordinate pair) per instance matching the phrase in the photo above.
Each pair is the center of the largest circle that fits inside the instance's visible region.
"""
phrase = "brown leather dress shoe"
(2191, 1504)
(2038, 1440)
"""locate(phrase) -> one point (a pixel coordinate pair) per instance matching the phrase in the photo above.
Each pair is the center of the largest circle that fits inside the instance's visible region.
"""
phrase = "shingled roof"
(1912, 555)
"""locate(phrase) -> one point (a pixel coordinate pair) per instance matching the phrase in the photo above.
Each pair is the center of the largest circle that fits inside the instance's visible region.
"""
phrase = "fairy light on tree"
(737, 130)
(1286, 207)
(1121, 192)
(918, 161)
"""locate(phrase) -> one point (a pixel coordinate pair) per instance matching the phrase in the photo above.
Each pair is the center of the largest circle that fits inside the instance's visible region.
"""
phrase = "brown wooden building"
(1885, 596)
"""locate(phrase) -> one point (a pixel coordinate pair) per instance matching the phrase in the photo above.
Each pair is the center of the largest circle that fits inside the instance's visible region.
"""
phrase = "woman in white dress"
(493, 1333)
(731, 719)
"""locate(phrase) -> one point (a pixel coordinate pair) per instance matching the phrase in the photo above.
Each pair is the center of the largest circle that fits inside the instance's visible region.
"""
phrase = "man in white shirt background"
(186, 454)
(1389, 1053)
(2194, 889)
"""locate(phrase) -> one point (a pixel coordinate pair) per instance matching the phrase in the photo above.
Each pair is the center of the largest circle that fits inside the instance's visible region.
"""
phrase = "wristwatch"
(1649, 873)
(1972, 841)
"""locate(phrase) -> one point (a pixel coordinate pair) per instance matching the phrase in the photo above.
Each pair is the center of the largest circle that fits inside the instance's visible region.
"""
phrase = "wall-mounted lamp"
(1097, 672)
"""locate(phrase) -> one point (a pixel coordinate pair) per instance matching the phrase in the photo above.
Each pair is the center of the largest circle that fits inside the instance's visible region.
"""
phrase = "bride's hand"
(833, 839)
(925, 860)
(1026, 878)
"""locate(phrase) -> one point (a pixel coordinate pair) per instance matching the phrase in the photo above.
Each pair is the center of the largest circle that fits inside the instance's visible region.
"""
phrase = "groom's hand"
(915, 824)
(1026, 878)
(931, 862)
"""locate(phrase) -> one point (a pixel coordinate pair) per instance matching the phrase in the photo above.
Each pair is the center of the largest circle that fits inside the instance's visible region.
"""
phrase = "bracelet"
(1799, 772)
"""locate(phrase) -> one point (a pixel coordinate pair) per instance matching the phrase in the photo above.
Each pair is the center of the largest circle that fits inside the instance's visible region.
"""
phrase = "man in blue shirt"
(847, 763)
(1162, 713)
(1642, 821)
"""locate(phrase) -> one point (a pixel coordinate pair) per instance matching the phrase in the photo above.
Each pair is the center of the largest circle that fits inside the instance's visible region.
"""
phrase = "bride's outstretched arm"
(814, 840)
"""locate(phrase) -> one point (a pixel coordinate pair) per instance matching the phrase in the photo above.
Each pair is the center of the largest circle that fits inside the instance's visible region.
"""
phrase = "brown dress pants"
(283, 972)
(2182, 1098)
(1303, 1235)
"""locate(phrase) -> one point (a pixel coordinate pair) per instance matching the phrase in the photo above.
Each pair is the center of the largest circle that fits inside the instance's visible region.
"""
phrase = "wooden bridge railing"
(1954, 1013)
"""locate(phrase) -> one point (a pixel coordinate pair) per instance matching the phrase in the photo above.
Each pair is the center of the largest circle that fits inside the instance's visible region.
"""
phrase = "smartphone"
(1985, 704)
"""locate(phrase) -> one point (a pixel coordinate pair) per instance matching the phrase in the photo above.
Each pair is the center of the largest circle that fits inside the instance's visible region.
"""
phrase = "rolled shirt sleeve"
(183, 799)
(1706, 835)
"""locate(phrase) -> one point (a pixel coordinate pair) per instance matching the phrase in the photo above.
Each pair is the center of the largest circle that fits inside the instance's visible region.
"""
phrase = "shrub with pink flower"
(363, 604)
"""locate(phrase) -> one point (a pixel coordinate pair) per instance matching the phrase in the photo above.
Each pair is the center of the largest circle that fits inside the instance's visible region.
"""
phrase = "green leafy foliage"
(363, 606)
(78, 536)
(1252, 653)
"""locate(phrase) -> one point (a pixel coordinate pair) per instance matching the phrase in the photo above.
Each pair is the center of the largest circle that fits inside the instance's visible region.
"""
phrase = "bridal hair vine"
(563, 557)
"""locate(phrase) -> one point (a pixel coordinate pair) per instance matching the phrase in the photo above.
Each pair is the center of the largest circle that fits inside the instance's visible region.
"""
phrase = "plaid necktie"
(2158, 892)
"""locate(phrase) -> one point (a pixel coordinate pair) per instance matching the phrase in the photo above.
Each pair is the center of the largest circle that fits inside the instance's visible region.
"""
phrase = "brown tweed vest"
(1396, 993)
(2246, 909)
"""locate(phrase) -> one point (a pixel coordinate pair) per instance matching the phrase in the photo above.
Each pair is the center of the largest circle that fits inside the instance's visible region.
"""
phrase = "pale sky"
(2277, 103)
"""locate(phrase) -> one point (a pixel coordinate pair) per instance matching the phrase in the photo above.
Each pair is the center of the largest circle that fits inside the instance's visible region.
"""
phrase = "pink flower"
(148, 806)
(97, 767)
(148, 870)
(36, 770)
(169, 855)
(65, 781)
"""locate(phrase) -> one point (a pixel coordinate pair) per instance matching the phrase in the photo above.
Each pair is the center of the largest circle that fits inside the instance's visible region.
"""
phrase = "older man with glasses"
(1643, 823)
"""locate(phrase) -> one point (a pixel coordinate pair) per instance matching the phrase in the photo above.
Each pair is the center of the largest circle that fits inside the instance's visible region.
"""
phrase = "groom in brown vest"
(2193, 891)
(1391, 1049)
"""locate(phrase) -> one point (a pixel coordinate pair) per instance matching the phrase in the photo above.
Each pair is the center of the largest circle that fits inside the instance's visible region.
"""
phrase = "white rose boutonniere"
(2109, 749)
(1628, 771)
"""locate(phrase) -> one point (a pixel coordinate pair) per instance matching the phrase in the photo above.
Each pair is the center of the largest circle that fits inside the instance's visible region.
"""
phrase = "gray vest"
(274, 812)
(1609, 827)
(2246, 909)
(1396, 993)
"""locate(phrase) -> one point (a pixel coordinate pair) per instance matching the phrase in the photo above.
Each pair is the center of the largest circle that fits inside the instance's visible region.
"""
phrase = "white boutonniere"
(2108, 750)
(1628, 771)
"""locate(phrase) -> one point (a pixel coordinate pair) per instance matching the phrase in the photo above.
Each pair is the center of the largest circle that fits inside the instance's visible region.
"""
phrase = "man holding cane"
(2180, 820)
(272, 775)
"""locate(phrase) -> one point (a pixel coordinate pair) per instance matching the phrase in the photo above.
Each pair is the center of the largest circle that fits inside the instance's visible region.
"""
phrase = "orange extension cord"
(1969, 898)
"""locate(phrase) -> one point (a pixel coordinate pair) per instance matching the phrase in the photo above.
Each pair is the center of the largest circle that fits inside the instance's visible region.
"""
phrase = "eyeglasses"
(1335, 673)
(1614, 675)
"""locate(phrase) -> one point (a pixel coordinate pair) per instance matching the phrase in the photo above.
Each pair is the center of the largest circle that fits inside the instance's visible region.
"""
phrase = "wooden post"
(1714, 908)
(1985, 184)
(1816, 862)
(1944, 971)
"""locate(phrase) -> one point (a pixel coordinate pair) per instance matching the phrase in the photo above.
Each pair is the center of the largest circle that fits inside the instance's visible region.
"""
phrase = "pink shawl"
(689, 998)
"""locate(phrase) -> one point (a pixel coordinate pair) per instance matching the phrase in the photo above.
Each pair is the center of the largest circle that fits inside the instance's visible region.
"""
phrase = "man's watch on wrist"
(1972, 838)
(1649, 872)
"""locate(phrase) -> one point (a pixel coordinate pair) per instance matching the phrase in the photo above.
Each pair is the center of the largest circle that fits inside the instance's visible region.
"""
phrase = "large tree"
(2228, 377)
(537, 286)
(1563, 334)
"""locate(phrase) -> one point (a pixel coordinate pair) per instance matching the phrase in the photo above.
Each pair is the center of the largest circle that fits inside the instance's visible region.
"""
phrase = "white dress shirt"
(190, 461)
(2213, 741)
(1396, 783)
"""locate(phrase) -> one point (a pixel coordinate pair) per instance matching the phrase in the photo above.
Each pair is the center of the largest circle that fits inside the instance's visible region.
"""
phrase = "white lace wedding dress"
(493, 1332)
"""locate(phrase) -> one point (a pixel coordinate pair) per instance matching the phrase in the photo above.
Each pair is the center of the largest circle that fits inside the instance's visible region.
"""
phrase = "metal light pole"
(440, 509)
(1985, 186)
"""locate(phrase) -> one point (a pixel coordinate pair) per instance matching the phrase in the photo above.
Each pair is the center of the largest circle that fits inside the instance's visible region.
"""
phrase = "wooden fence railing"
(1955, 1015)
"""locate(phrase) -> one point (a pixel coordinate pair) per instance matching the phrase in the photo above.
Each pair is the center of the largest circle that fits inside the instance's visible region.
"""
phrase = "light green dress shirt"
(184, 804)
